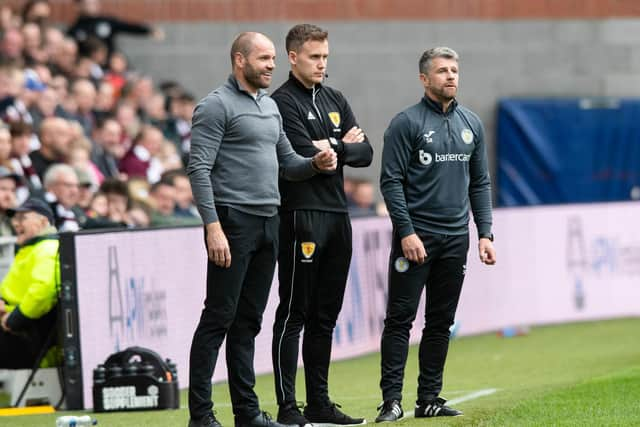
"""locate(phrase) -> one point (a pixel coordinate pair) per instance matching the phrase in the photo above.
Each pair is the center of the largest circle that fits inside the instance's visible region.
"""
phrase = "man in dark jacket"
(434, 165)
(315, 230)
(91, 23)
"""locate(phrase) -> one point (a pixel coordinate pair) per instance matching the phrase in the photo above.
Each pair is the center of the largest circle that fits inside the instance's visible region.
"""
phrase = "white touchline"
(408, 414)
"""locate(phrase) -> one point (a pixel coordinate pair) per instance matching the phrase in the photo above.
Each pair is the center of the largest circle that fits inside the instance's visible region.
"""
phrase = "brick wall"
(347, 10)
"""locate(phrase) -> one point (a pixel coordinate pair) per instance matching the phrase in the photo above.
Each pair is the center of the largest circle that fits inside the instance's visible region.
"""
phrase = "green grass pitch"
(585, 374)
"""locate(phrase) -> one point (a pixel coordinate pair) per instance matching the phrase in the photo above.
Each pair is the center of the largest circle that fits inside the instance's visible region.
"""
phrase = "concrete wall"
(375, 63)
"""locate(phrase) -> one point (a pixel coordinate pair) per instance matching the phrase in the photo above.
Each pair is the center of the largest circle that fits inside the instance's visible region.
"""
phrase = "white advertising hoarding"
(555, 264)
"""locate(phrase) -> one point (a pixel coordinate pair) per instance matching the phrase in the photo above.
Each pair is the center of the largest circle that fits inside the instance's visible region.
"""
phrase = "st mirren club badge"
(334, 116)
(467, 136)
(401, 264)
(308, 249)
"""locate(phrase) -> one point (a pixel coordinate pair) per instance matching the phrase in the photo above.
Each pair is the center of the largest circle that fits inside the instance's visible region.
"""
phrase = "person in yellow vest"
(29, 291)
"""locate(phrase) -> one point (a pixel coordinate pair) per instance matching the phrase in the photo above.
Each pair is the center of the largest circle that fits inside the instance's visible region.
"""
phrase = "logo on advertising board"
(136, 310)
(603, 256)
(125, 397)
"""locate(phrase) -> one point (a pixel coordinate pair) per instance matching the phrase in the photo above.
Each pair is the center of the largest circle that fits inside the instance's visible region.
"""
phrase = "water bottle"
(75, 421)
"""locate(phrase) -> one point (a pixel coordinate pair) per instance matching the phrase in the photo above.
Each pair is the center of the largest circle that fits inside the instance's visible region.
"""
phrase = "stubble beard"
(252, 76)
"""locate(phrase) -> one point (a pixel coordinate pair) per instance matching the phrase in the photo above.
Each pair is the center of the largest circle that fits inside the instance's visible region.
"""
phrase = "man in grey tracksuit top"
(238, 149)
(434, 165)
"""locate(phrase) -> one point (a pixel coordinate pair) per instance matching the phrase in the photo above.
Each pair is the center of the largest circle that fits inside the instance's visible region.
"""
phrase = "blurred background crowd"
(102, 142)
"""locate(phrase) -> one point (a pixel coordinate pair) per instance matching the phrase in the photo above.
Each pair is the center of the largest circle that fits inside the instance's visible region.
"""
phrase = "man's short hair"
(55, 171)
(302, 33)
(114, 186)
(242, 44)
(20, 128)
(437, 52)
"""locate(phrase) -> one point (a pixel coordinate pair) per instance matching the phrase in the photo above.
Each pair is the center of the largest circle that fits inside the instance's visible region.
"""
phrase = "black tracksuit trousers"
(233, 308)
(314, 259)
(441, 275)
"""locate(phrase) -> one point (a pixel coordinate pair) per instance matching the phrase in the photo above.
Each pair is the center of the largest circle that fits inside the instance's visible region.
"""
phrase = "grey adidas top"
(237, 147)
(434, 166)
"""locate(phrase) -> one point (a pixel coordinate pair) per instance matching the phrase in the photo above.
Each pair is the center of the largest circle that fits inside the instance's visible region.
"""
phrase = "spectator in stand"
(96, 52)
(55, 138)
(162, 196)
(37, 11)
(66, 104)
(185, 206)
(182, 113)
(11, 46)
(53, 40)
(105, 101)
(127, 117)
(118, 200)
(80, 158)
(139, 215)
(169, 157)
(8, 183)
(14, 95)
(363, 199)
(33, 50)
(65, 59)
(98, 207)
(5, 147)
(141, 160)
(45, 106)
(31, 184)
(139, 189)
(107, 147)
(91, 22)
(62, 193)
(29, 290)
(84, 94)
(86, 187)
(154, 113)
(116, 74)
(349, 186)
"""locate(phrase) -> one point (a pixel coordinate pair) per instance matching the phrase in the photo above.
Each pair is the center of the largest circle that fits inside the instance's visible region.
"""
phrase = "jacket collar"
(437, 106)
(293, 79)
(48, 233)
(233, 83)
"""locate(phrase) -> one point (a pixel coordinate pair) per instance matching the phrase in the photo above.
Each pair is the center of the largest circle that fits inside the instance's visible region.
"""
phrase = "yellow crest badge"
(334, 116)
(308, 248)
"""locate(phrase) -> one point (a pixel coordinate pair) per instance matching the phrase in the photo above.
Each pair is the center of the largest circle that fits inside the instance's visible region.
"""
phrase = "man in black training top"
(434, 165)
(238, 148)
(315, 231)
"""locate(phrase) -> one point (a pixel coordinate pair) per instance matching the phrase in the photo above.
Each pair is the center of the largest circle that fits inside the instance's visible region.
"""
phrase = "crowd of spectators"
(103, 144)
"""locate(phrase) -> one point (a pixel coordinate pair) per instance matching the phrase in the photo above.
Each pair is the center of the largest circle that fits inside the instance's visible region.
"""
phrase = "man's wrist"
(336, 145)
(314, 166)
(486, 236)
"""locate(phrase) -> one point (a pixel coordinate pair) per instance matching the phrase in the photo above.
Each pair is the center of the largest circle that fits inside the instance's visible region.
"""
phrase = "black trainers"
(289, 414)
(263, 419)
(435, 408)
(207, 421)
(390, 410)
(330, 414)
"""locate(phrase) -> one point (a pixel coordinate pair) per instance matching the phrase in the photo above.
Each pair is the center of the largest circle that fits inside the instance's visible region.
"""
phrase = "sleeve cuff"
(405, 231)
(338, 147)
(17, 321)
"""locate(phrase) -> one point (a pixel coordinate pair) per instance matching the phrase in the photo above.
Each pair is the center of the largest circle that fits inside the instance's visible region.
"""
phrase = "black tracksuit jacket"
(310, 115)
